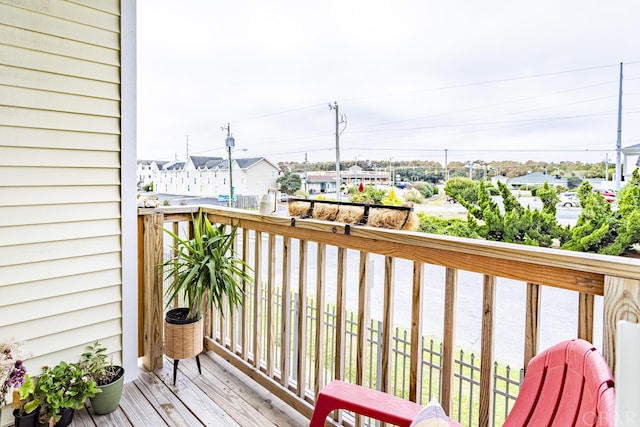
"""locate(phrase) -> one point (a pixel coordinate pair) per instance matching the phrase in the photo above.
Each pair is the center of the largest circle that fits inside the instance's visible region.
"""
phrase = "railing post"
(486, 349)
(621, 302)
(415, 380)
(449, 339)
(532, 323)
(153, 278)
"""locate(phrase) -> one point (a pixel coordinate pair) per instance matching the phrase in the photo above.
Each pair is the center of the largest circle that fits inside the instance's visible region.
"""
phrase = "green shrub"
(459, 189)
(427, 190)
(413, 196)
(447, 226)
(493, 191)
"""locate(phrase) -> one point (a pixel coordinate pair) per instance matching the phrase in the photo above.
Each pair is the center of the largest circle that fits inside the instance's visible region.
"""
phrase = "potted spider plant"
(204, 271)
(108, 377)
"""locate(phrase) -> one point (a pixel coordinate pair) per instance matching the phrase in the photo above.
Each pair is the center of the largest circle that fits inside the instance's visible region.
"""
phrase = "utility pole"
(338, 132)
(187, 148)
(619, 138)
(230, 143)
(606, 167)
(446, 165)
(306, 186)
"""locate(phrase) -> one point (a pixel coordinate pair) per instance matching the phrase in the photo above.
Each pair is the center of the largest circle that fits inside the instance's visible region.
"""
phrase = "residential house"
(325, 181)
(631, 160)
(535, 178)
(147, 169)
(209, 177)
(68, 217)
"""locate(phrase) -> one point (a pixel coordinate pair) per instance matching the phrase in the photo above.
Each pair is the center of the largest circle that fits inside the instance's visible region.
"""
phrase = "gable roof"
(535, 178)
(202, 161)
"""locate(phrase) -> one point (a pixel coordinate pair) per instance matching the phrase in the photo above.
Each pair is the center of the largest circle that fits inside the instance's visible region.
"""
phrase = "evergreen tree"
(289, 182)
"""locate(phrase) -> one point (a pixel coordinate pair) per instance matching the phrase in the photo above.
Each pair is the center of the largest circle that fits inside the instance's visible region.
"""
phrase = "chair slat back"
(568, 384)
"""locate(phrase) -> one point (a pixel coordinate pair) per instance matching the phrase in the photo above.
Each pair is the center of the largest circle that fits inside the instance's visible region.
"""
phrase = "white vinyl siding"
(60, 177)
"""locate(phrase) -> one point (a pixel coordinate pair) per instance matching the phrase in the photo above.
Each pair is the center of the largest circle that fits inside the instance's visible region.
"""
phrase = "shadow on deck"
(221, 396)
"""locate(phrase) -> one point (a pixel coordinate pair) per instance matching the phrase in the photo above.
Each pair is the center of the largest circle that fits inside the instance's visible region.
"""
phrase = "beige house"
(68, 257)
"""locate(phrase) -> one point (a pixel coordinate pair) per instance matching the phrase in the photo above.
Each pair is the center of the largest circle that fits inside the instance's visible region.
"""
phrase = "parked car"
(569, 200)
(609, 195)
(283, 197)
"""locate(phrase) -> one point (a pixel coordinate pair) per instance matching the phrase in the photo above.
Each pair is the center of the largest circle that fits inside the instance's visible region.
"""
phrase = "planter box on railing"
(383, 216)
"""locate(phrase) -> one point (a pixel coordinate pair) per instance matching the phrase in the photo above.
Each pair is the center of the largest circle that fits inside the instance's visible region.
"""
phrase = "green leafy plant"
(205, 269)
(66, 385)
(96, 362)
(25, 400)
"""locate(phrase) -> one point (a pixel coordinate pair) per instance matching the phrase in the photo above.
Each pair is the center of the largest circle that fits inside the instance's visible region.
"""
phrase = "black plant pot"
(26, 420)
(66, 416)
(179, 316)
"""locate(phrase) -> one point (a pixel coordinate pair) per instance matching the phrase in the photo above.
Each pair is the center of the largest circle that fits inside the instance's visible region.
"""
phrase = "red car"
(609, 195)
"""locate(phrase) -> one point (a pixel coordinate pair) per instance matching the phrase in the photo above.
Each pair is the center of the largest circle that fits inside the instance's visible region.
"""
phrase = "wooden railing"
(260, 339)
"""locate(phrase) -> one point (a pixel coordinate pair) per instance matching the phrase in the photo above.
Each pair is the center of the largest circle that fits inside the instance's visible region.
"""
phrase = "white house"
(209, 176)
(147, 169)
(631, 160)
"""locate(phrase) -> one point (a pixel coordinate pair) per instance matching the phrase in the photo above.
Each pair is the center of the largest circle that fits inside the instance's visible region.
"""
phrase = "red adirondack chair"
(569, 384)
(566, 385)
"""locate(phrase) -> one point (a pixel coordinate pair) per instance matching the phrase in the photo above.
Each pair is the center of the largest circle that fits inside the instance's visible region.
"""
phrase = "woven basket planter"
(183, 340)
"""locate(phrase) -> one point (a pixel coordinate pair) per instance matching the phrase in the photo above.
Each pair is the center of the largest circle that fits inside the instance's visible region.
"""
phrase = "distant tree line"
(431, 171)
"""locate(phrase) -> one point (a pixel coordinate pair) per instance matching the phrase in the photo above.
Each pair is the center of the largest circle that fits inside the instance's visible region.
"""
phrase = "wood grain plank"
(532, 323)
(271, 306)
(184, 403)
(82, 417)
(285, 333)
(518, 262)
(257, 301)
(257, 399)
(244, 351)
(139, 409)
(585, 316)
(115, 418)
(486, 351)
(621, 302)
(153, 292)
(363, 317)
(301, 352)
(387, 324)
(320, 342)
(415, 360)
(340, 339)
(449, 338)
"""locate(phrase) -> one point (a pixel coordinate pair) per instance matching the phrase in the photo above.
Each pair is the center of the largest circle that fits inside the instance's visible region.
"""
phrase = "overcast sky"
(485, 80)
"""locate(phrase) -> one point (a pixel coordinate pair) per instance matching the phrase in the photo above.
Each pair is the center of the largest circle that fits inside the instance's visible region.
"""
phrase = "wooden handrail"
(268, 355)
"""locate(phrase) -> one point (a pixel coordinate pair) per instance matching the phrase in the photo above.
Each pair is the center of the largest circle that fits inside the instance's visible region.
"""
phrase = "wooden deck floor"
(221, 396)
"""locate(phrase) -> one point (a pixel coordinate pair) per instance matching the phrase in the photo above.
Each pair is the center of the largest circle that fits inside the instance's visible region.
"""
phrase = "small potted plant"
(25, 404)
(204, 271)
(108, 377)
(63, 389)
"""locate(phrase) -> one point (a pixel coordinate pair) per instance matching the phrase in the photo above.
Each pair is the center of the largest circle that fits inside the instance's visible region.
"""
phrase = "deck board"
(221, 396)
